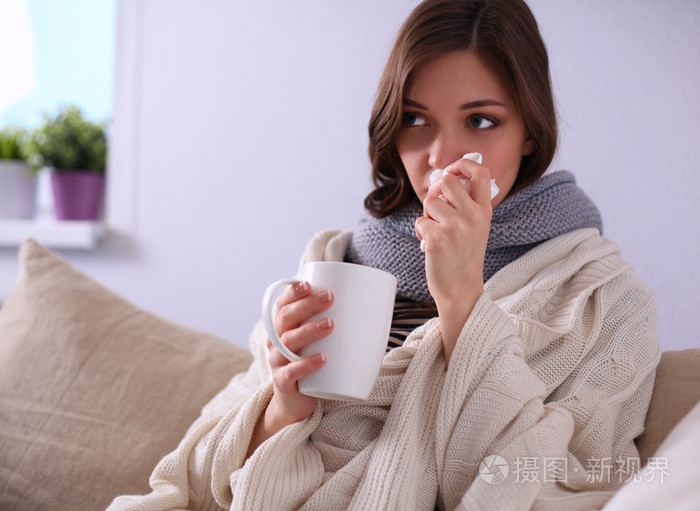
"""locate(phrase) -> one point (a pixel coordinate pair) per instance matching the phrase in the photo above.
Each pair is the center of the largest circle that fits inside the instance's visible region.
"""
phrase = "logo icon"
(493, 469)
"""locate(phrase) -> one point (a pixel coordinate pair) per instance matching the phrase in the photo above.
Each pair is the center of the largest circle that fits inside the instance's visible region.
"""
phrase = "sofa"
(95, 390)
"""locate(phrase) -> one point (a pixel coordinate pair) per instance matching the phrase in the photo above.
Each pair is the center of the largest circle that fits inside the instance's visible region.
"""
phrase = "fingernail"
(302, 286)
(325, 324)
(320, 357)
(326, 296)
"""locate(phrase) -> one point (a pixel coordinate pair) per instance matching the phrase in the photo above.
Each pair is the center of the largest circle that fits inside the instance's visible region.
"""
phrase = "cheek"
(413, 160)
(505, 166)
(504, 169)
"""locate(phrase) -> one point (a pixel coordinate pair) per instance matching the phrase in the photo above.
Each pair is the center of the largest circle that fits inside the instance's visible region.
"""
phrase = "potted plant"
(18, 187)
(75, 150)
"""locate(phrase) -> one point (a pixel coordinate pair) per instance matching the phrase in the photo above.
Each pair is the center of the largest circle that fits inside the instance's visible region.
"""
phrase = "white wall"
(240, 130)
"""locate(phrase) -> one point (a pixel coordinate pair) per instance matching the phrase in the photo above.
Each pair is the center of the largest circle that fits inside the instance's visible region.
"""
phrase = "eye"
(412, 119)
(481, 122)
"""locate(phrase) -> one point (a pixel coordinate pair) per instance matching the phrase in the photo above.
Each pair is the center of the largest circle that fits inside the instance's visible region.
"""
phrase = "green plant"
(68, 141)
(12, 143)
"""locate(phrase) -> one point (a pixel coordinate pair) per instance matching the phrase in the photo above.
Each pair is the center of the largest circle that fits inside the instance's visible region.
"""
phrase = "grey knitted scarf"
(551, 206)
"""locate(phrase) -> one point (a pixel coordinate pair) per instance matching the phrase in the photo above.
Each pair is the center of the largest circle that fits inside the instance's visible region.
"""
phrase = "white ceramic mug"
(362, 312)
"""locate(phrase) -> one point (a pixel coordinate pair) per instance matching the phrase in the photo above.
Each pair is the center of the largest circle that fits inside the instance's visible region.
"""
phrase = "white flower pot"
(17, 191)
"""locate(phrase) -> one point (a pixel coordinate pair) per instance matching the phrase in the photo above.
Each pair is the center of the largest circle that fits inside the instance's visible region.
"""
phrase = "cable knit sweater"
(556, 362)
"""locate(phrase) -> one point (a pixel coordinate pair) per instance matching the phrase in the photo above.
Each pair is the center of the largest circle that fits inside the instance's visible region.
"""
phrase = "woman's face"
(454, 105)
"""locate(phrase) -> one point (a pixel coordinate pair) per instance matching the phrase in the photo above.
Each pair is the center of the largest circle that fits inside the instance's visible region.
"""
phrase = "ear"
(528, 146)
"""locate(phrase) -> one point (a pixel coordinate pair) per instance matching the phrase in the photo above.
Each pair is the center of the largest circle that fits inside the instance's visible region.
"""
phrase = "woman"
(524, 347)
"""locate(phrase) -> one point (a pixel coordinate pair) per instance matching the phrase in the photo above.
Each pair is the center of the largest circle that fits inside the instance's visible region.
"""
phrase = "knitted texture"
(556, 362)
(551, 206)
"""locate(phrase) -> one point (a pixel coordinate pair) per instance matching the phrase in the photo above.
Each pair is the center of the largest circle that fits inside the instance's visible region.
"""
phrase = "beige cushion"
(93, 390)
(676, 391)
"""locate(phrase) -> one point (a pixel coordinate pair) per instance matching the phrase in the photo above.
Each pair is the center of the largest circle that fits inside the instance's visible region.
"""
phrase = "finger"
(437, 208)
(293, 314)
(425, 230)
(286, 377)
(435, 189)
(294, 293)
(419, 227)
(480, 183)
(299, 338)
(450, 189)
(476, 174)
(464, 166)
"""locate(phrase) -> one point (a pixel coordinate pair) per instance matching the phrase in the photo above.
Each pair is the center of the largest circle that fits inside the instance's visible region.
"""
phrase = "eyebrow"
(479, 103)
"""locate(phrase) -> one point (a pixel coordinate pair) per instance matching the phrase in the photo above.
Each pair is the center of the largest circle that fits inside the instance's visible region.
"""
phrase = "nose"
(446, 148)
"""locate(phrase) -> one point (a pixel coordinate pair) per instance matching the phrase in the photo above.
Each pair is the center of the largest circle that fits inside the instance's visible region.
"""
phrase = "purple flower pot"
(77, 195)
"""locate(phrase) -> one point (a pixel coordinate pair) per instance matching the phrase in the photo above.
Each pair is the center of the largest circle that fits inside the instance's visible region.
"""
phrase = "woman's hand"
(296, 305)
(456, 230)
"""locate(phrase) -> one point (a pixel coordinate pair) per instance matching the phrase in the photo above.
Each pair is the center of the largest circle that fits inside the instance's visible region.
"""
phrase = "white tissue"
(438, 173)
(474, 157)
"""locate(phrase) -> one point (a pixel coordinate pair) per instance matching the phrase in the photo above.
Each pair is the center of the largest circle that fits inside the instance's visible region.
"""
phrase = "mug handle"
(267, 312)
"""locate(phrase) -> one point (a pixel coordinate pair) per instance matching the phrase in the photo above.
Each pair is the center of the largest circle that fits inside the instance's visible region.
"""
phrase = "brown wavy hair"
(505, 36)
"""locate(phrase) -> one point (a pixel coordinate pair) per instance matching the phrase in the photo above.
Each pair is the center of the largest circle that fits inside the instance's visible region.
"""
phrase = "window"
(55, 53)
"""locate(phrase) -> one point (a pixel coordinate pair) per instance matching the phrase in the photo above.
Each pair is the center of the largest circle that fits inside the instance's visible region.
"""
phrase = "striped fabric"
(408, 315)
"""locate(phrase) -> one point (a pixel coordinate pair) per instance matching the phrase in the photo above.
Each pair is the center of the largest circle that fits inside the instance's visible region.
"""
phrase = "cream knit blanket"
(552, 373)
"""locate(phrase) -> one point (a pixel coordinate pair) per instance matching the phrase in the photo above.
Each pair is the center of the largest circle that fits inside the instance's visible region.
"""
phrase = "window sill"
(76, 234)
